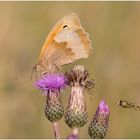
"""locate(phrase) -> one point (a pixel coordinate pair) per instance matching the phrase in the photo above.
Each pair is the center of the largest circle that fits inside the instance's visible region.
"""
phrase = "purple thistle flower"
(103, 108)
(52, 81)
(51, 84)
(99, 125)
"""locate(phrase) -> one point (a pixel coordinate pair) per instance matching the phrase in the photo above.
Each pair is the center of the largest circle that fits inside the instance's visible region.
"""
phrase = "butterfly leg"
(34, 69)
(55, 66)
(44, 72)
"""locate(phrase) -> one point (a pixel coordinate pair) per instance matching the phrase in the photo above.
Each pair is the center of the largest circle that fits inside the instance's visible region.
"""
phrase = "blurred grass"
(114, 28)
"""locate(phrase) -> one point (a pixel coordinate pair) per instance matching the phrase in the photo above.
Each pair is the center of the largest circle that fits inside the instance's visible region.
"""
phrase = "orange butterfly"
(66, 43)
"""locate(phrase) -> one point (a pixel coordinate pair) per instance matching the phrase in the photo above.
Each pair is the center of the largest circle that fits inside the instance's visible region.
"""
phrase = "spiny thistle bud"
(51, 84)
(76, 114)
(99, 125)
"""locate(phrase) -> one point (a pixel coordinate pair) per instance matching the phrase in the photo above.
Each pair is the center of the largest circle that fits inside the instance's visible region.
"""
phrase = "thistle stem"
(56, 130)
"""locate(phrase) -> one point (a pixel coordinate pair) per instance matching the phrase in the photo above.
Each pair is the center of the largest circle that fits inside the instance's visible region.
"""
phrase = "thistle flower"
(76, 113)
(99, 125)
(51, 81)
(51, 84)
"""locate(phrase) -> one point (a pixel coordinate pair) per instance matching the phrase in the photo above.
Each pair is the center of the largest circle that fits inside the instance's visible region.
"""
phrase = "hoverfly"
(125, 104)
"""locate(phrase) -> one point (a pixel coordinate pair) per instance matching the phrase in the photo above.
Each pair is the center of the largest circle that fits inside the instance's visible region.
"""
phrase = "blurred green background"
(114, 28)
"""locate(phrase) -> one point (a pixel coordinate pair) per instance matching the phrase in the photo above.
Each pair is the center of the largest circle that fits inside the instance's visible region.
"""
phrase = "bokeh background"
(114, 28)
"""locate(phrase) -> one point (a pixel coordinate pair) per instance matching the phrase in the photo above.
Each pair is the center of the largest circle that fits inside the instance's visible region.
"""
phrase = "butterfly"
(66, 43)
(125, 104)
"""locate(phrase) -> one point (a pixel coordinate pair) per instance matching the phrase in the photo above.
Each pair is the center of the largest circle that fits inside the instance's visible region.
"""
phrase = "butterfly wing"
(66, 43)
(75, 36)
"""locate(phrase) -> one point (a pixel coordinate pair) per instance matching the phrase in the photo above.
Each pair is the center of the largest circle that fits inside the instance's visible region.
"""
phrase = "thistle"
(51, 84)
(76, 113)
(99, 125)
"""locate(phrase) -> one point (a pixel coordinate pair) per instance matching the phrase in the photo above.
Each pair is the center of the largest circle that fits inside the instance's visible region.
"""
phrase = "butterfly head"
(37, 68)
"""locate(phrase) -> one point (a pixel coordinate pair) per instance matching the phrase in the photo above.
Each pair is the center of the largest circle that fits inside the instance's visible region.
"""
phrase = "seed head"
(76, 114)
(79, 76)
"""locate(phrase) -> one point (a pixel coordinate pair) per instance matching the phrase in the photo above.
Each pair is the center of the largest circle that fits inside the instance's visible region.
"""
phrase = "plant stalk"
(56, 130)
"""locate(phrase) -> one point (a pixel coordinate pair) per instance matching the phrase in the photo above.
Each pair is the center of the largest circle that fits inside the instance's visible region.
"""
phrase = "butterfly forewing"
(66, 43)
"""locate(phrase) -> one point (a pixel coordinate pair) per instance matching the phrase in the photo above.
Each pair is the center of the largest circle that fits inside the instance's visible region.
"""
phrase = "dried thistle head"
(80, 76)
(76, 113)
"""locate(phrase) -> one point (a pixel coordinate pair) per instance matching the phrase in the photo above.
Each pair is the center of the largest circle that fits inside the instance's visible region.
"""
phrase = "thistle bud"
(51, 84)
(76, 113)
(99, 125)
